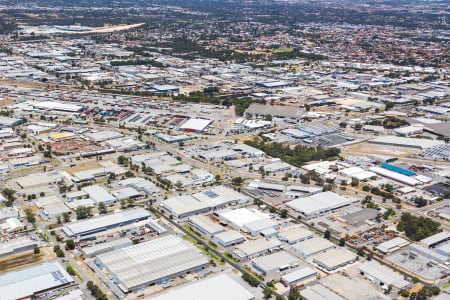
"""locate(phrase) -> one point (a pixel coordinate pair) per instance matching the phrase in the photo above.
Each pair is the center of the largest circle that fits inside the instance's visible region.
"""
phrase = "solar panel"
(210, 194)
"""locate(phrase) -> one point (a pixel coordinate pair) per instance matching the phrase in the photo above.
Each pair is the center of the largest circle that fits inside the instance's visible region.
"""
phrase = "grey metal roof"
(84, 226)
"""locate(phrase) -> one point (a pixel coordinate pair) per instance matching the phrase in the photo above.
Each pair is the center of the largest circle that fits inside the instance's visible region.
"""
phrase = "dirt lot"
(366, 148)
(12, 262)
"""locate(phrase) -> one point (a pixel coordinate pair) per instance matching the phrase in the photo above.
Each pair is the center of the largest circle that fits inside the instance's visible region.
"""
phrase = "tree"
(82, 212)
(178, 185)
(102, 208)
(327, 234)
(237, 180)
(66, 217)
(70, 270)
(342, 242)
(284, 213)
(36, 250)
(343, 124)
(267, 292)
(417, 227)
(122, 160)
(30, 215)
(58, 219)
(70, 244)
(294, 293)
(355, 181)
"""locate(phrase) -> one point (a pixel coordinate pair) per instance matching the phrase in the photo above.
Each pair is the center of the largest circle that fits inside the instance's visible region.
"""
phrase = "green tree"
(70, 244)
(36, 250)
(294, 293)
(30, 215)
(327, 234)
(102, 208)
(66, 217)
(342, 242)
(283, 213)
(267, 292)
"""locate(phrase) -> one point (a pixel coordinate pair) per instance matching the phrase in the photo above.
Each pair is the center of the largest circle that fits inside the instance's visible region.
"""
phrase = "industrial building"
(229, 238)
(436, 239)
(98, 249)
(211, 199)
(360, 217)
(312, 246)
(272, 265)
(195, 125)
(29, 282)
(395, 176)
(392, 245)
(318, 204)
(319, 292)
(382, 275)
(405, 142)
(299, 276)
(251, 221)
(205, 226)
(158, 260)
(99, 194)
(105, 222)
(334, 259)
(220, 287)
(17, 245)
(255, 248)
(295, 234)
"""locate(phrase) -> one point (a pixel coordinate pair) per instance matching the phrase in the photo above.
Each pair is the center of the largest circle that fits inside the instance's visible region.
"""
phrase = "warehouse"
(16, 246)
(436, 239)
(9, 122)
(141, 185)
(395, 176)
(195, 125)
(126, 193)
(99, 194)
(271, 265)
(100, 136)
(255, 248)
(220, 287)
(29, 282)
(247, 150)
(299, 276)
(229, 238)
(252, 221)
(318, 204)
(382, 275)
(358, 173)
(360, 217)
(52, 105)
(319, 292)
(41, 179)
(428, 253)
(98, 249)
(334, 259)
(398, 169)
(295, 234)
(185, 206)
(102, 223)
(392, 245)
(158, 260)
(205, 225)
(312, 246)
(202, 202)
(405, 142)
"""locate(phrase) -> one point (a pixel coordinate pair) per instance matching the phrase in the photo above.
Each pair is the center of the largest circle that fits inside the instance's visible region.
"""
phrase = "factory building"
(28, 283)
(102, 223)
(155, 261)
